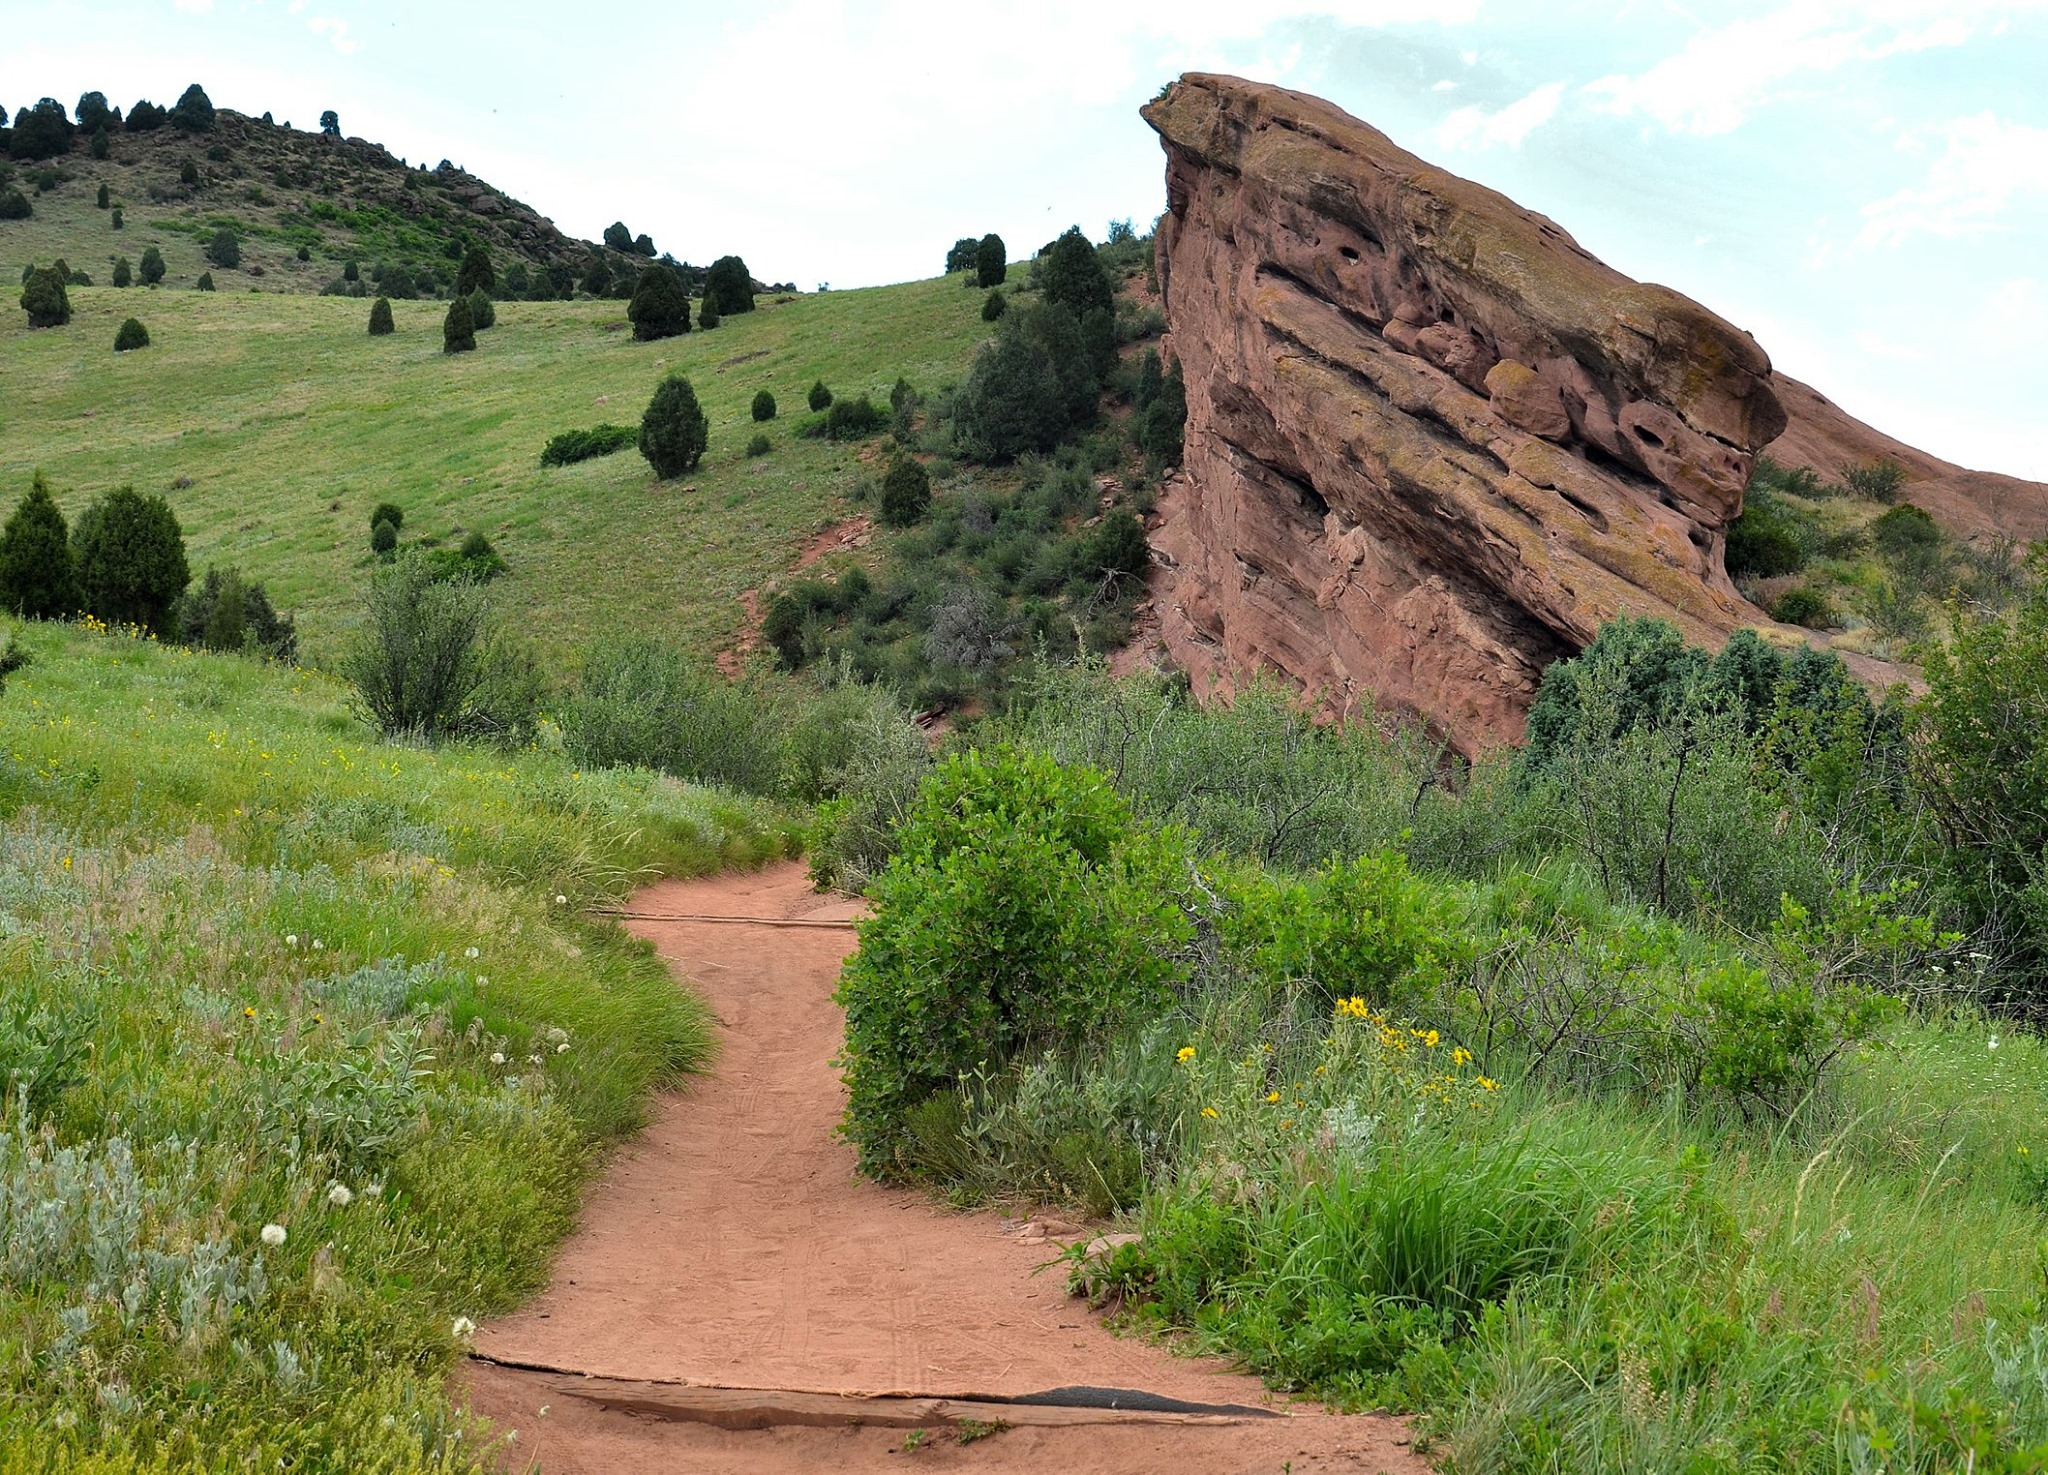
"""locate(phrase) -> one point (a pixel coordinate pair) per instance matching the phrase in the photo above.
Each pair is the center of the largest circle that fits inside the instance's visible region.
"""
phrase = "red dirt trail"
(733, 1246)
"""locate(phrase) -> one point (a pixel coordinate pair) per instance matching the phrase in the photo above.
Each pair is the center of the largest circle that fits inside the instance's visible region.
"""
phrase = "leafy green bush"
(707, 316)
(428, 662)
(224, 250)
(188, 174)
(1981, 756)
(763, 407)
(1880, 480)
(1161, 421)
(572, 446)
(205, 282)
(380, 318)
(1804, 606)
(124, 274)
(389, 512)
(906, 493)
(641, 702)
(458, 328)
(38, 580)
(759, 445)
(383, 536)
(152, 266)
(820, 397)
(1024, 908)
(1366, 928)
(674, 432)
(132, 335)
(1767, 541)
(961, 255)
(14, 205)
(483, 313)
(130, 555)
(994, 306)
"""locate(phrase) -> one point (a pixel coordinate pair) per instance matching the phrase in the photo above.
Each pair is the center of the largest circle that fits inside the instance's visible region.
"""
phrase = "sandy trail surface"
(733, 1247)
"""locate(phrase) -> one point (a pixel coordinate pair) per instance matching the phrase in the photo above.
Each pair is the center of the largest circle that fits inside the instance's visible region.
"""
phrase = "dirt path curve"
(732, 1246)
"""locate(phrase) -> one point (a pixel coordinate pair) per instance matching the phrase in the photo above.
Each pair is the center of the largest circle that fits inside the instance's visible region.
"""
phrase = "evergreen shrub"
(674, 433)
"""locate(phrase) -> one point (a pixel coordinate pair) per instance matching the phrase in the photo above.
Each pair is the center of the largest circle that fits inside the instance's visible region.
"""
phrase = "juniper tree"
(124, 274)
(991, 261)
(44, 299)
(380, 317)
(130, 555)
(37, 578)
(458, 329)
(104, 198)
(152, 266)
(193, 110)
(730, 286)
(1074, 275)
(477, 273)
(673, 432)
(131, 336)
(661, 306)
(224, 250)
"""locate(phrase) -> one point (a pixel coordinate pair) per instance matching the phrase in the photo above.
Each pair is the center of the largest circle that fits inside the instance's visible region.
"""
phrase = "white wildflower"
(481, 980)
(272, 1235)
(339, 1196)
(497, 1057)
(561, 901)
(563, 1048)
(1994, 1042)
(464, 1327)
(372, 1190)
(291, 939)
(471, 953)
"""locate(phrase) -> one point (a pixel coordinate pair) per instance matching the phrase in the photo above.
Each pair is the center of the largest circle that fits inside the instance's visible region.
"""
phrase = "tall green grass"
(257, 969)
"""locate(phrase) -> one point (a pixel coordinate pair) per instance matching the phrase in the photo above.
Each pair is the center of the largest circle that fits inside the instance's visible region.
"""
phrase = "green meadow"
(274, 423)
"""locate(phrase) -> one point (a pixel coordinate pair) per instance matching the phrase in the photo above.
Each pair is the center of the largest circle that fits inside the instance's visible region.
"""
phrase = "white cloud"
(1988, 167)
(1474, 127)
(194, 7)
(334, 32)
(1722, 76)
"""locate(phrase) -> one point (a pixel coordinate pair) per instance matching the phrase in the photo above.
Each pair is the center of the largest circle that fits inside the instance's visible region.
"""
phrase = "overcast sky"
(1861, 183)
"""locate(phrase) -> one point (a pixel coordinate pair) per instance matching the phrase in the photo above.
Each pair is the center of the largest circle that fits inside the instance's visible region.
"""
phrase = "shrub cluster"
(1025, 909)
(572, 446)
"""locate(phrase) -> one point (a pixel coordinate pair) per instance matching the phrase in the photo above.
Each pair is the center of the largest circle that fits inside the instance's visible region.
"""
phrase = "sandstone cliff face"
(1432, 443)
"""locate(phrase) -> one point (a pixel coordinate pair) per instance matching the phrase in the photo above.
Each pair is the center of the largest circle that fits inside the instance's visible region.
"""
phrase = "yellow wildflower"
(1272, 1098)
(1487, 1083)
(1461, 1056)
(1209, 1112)
(1185, 1054)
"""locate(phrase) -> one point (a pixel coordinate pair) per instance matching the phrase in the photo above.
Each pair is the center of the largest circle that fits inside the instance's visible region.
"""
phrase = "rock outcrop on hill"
(1970, 504)
(1432, 443)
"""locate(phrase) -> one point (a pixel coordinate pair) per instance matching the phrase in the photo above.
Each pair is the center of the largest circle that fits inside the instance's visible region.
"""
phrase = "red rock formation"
(1432, 443)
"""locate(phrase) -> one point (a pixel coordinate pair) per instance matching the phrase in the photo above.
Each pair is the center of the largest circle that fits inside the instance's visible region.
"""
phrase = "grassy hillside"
(274, 424)
(259, 969)
(278, 188)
